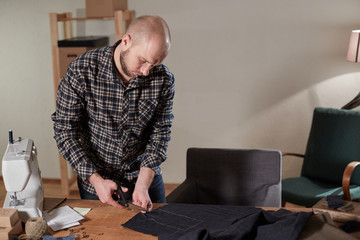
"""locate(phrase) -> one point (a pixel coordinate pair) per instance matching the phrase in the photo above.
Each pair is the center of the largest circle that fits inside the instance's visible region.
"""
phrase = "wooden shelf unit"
(122, 19)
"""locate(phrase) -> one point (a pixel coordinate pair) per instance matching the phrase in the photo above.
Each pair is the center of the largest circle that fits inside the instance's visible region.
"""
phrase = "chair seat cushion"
(306, 192)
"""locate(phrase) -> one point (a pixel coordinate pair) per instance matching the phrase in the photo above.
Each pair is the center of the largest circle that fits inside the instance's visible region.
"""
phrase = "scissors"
(124, 199)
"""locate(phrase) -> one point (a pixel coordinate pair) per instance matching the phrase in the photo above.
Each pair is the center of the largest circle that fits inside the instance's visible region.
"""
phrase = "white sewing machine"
(22, 178)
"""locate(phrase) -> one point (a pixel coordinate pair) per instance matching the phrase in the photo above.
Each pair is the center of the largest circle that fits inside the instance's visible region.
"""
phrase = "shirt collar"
(134, 83)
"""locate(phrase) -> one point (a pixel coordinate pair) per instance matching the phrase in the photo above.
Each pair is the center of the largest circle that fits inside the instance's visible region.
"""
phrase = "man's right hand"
(105, 189)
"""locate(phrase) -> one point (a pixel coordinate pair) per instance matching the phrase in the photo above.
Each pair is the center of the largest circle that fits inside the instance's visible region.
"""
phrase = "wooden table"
(105, 222)
(102, 222)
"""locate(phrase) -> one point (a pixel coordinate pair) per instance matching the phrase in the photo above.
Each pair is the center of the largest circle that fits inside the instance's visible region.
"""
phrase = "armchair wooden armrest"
(346, 179)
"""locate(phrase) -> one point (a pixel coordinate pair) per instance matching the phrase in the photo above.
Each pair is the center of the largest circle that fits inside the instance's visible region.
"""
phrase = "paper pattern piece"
(61, 218)
(82, 211)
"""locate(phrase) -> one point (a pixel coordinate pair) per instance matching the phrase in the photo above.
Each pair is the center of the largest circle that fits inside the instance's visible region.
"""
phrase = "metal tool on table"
(22, 178)
(124, 199)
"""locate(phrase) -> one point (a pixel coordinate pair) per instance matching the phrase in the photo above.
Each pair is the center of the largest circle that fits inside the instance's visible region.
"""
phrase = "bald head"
(147, 28)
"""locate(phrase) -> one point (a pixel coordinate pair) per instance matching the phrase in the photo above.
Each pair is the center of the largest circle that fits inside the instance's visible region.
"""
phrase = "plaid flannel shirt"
(104, 126)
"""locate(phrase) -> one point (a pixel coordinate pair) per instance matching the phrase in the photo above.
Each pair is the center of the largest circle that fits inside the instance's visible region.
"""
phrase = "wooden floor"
(52, 188)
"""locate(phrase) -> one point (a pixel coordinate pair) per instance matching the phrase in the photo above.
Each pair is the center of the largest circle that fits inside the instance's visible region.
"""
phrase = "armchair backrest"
(334, 141)
(235, 176)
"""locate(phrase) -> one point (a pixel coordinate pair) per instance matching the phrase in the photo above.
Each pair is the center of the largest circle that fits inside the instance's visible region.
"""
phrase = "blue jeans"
(156, 191)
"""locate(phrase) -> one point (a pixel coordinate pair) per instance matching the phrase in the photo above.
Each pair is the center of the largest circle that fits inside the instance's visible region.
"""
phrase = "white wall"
(248, 73)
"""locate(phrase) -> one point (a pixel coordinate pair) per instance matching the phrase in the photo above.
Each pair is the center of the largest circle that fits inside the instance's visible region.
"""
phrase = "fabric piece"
(335, 201)
(352, 226)
(322, 227)
(348, 207)
(205, 222)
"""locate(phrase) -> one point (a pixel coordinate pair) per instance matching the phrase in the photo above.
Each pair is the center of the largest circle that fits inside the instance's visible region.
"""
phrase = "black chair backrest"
(248, 177)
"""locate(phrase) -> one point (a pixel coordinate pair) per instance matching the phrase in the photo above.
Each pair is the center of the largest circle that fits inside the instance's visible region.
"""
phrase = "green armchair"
(332, 154)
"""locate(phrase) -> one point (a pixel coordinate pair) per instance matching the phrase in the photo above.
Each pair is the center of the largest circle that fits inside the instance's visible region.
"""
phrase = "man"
(114, 113)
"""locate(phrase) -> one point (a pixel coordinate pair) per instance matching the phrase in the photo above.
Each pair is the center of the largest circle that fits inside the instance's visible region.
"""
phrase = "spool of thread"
(35, 227)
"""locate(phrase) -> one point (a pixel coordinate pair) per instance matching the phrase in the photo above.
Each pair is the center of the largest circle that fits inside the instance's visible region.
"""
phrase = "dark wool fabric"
(210, 222)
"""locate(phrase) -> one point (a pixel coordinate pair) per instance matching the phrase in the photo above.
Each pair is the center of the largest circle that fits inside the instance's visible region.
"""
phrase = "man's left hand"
(141, 198)
(141, 192)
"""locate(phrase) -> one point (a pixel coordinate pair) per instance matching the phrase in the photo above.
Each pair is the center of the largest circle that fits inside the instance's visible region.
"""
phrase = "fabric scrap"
(335, 201)
(322, 227)
(351, 226)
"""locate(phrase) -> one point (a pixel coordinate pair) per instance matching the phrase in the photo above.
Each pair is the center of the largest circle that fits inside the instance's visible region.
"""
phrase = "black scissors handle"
(122, 199)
